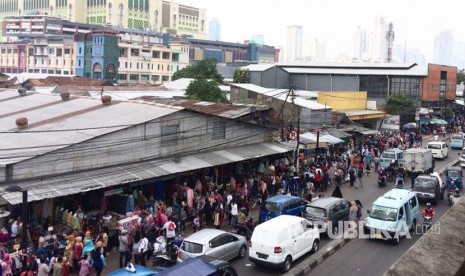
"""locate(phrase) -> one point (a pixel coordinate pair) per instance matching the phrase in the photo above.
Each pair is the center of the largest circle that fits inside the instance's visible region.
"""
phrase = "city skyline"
(416, 22)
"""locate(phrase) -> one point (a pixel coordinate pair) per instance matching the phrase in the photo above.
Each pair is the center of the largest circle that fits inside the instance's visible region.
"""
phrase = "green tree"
(447, 113)
(460, 76)
(204, 90)
(203, 69)
(241, 76)
(401, 105)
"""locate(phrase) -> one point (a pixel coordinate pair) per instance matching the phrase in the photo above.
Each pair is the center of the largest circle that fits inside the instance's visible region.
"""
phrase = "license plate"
(262, 256)
(377, 236)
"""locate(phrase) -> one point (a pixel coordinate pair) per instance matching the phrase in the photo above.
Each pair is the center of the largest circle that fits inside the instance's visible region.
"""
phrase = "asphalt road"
(358, 257)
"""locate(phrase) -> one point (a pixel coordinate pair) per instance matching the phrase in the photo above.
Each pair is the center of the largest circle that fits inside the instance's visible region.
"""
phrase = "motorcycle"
(452, 198)
(165, 255)
(247, 229)
(381, 181)
(427, 223)
(399, 182)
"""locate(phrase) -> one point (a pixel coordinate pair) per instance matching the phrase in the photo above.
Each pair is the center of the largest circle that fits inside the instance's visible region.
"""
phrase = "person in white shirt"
(170, 228)
(14, 229)
(234, 212)
(143, 247)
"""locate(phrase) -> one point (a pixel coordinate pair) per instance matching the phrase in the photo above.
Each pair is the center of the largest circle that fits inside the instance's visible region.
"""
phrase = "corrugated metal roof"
(230, 111)
(259, 67)
(415, 71)
(358, 112)
(325, 138)
(109, 177)
(347, 65)
(79, 119)
(281, 95)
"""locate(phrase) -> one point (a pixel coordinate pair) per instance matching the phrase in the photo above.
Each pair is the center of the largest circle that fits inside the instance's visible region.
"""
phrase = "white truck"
(418, 160)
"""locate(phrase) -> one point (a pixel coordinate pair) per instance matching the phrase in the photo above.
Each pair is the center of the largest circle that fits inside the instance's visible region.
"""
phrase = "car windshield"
(192, 247)
(271, 207)
(457, 136)
(388, 155)
(434, 146)
(315, 211)
(454, 174)
(424, 185)
(383, 213)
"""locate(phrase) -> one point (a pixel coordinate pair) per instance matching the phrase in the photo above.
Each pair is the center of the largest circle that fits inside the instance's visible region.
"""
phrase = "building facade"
(132, 14)
(429, 84)
(294, 43)
(13, 57)
(214, 29)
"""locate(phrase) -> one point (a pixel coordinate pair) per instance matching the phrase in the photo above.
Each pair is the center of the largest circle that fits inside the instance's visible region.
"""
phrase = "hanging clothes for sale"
(46, 208)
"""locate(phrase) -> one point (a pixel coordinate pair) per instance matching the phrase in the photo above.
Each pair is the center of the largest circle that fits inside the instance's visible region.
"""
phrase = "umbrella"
(409, 126)
(437, 121)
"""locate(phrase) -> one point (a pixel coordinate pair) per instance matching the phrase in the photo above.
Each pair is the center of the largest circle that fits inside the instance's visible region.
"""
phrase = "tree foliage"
(204, 90)
(241, 76)
(460, 76)
(401, 105)
(447, 113)
(205, 69)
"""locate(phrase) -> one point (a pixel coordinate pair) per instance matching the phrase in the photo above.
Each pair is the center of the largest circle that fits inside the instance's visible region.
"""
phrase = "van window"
(191, 247)
(401, 212)
(383, 213)
(388, 155)
(412, 202)
(296, 229)
(434, 146)
(271, 207)
(401, 155)
(457, 136)
(317, 212)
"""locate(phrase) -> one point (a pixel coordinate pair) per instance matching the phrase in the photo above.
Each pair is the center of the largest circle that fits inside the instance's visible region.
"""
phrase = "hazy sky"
(334, 21)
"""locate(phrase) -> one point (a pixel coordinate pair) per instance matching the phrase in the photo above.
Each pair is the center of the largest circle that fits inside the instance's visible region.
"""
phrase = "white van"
(281, 240)
(439, 149)
(393, 215)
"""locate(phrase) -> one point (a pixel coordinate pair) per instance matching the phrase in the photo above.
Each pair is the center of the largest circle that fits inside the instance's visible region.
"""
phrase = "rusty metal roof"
(230, 111)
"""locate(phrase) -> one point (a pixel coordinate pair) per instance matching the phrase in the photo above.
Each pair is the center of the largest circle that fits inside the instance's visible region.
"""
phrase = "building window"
(443, 85)
(65, 72)
(59, 52)
(122, 77)
(155, 54)
(155, 78)
(218, 129)
(80, 49)
(67, 51)
(166, 55)
(376, 86)
(165, 78)
(408, 86)
(97, 71)
(50, 72)
(134, 77)
(144, 77)
(110, 72)
(134, 52)
(169, 135)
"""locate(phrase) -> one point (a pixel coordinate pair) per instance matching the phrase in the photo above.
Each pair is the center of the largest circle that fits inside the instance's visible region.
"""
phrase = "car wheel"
(287, 264)
(315, 246)
(242, 251)
(396, 240)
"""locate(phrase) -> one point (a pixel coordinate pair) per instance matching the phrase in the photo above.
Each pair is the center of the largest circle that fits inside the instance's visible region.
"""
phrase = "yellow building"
(354, 104)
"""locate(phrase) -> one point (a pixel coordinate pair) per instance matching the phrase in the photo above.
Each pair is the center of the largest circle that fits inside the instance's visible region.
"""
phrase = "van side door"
(298, 244)
(308, 236)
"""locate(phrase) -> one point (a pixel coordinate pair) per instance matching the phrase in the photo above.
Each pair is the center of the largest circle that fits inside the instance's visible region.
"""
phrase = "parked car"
(429, 188)
(456, 140)
(134, 270)
(203, 265)
(328, 212)
(281, 205)
(281, 240)
(213, 242)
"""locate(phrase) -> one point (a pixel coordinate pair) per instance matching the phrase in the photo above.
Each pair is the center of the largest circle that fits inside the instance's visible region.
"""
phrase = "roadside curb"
(306, 266)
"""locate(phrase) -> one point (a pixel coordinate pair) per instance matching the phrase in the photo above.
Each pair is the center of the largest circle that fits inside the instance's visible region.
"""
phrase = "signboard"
(391, 122)
(293, 135)
(417, 118)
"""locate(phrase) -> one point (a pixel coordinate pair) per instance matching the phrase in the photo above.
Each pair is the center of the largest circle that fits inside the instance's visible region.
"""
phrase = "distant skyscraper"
(378, 45)
(294, 43)
(214, 29)
(258, 38)
(360, 44)
(443, 48)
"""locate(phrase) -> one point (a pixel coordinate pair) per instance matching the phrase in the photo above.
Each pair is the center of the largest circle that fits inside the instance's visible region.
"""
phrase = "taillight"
(327, 220)
(278, 249)
(179, 254)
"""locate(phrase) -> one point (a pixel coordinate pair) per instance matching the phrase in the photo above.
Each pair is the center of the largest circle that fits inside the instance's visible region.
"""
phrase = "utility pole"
(281, 112)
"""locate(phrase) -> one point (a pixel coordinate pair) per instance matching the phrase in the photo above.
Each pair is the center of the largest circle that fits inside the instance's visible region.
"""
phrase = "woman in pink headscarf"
(6, 265)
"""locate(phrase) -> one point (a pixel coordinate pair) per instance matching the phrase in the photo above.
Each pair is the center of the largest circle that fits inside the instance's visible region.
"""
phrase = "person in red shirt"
(428, 211)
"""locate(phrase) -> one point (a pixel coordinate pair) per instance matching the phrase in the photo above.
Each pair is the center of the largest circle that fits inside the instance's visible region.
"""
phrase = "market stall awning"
(310, 137)
(359, 129)
(117, 176)
(356, 115)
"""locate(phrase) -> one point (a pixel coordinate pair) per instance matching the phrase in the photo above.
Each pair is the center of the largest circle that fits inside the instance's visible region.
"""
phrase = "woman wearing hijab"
(337, 192)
